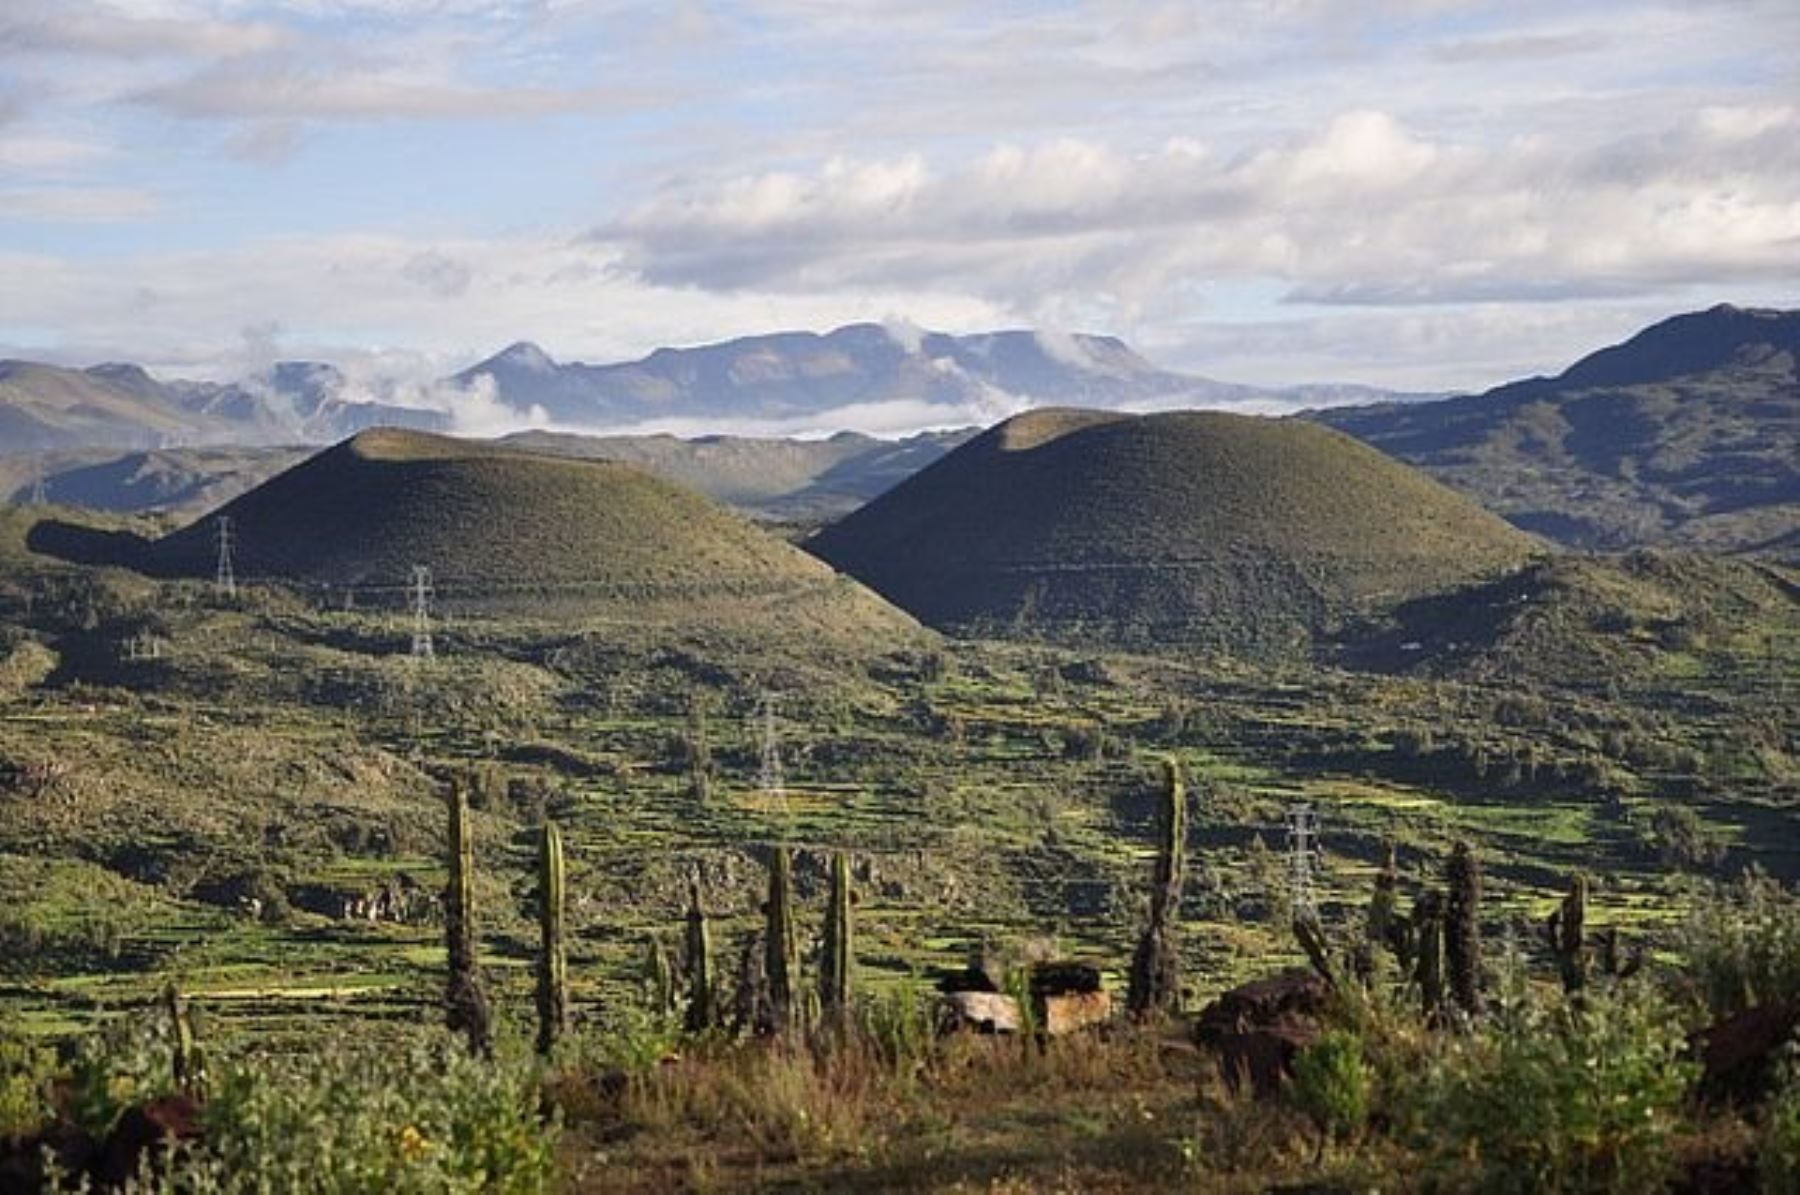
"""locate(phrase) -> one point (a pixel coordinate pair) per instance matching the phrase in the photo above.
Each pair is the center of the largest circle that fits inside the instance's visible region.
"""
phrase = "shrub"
(421, 1116)
(1778, 1158)
(26, 1071)
(1560, 1097)
(1331, 1085)
(1740, 945)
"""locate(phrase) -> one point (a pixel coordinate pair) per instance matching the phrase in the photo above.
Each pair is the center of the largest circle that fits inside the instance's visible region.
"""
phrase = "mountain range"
(858, 376)
(1687, 433)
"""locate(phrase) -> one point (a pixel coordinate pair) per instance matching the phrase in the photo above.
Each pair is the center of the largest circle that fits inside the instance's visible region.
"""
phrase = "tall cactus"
(1462, 928)
(659, 976)
(553, 967)
(1155, 984)
(834, 977)
(702, 1002)
(1566, 932)
(1428, 966)
(183, 1057)
(466, 1004)
(780, 958)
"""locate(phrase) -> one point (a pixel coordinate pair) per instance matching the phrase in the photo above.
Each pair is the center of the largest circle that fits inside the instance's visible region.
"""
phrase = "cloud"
(1362, 211)
(294, 89)
(69, 27)
(76, 204)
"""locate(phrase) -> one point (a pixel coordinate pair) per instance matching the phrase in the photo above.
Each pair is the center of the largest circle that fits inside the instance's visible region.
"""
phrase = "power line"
(421, 592)
(225, 579)
(771, 777)
(1303, 858)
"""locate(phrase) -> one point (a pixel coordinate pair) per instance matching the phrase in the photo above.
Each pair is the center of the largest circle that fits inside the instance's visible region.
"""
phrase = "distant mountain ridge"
(795, 375)
(51, 408)
(1688, 433)
(860, 375)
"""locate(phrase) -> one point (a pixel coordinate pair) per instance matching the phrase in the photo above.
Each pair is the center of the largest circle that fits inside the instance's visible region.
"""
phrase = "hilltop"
(505, 529)
(1185, 527)
(1686, 434)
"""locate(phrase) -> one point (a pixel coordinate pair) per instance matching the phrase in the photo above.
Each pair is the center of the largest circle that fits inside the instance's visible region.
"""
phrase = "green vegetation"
(1686, 435)
(1186, 529)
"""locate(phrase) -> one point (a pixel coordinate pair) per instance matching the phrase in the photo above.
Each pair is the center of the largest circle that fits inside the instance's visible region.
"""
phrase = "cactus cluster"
(1566, 934)
(1155, 984)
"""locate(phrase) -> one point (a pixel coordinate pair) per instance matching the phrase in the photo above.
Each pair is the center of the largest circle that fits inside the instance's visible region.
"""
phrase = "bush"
(26, 1072)
(1740, 946)
(1331, 1085)
(1557, 1097)
(1778, 1159)
(423, 1116)
(415, 1115)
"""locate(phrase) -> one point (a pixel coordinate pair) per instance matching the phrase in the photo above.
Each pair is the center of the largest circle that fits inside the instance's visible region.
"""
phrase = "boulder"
(1256, 1030)
(1737, 1055)
(980, 1012)
(1058, 1015)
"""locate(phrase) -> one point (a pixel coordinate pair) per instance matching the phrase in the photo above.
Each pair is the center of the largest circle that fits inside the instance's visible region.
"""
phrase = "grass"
(1188, 527)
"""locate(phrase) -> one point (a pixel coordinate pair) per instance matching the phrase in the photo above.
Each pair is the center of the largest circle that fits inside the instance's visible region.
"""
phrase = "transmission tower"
(225, 579)
(771, 779)
(421, 595)
(37, 483)
(1303, 857)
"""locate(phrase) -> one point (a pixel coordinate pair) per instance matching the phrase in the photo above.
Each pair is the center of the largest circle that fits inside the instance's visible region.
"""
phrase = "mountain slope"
(1178, 528)
(1688, 433)
(47, 408)
(507, 530)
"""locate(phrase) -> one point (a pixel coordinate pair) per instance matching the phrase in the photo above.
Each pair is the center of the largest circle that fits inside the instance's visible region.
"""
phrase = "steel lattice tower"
(421, 595)
(225, 578)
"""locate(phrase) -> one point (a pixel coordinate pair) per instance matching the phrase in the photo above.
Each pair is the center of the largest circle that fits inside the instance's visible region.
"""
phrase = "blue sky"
(1413, 193)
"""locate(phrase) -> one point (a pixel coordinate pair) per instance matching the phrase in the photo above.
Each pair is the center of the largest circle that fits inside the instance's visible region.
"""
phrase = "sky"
(1417, 194)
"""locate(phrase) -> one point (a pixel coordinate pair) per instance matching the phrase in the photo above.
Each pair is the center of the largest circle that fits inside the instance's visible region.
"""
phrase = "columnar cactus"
(183, 1056)
(1155, 984)
(702, 1002)
(834, 978)
(780, 959)
(553, 969)
(465, 1003)
(1566, 932)
(1462, 928)
(1428, 967)
(1384, 908)
(659, 976)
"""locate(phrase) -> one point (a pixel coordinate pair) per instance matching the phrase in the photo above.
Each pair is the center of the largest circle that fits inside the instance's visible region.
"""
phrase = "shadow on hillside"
(76, 544)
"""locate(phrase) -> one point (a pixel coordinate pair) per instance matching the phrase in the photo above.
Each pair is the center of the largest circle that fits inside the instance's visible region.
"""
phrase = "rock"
(1737, 1054)
(143, 1131)
(1257, 1029)
(1058, 1015)
(981, 1012)
(1063, 978)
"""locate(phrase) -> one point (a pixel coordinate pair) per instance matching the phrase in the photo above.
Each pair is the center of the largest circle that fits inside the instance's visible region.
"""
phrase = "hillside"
(787, 480)
(1186, 527)
(1686, 434)
(503, 529)
(48, 408)
(1600, 620)
(772, 478)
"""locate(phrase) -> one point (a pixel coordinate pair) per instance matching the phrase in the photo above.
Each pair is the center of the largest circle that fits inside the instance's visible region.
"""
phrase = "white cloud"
(79, 204)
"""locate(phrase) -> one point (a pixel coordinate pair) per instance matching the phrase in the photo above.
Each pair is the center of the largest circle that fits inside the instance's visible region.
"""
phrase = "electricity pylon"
(771, 778)
(1303, 857)
(421, 593)
(225, 578)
